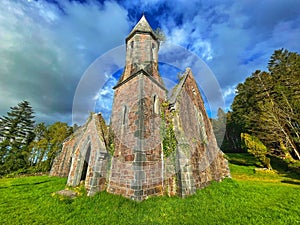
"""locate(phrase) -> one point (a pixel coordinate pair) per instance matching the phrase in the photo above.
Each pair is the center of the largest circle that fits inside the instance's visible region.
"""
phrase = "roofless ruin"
(154, 145)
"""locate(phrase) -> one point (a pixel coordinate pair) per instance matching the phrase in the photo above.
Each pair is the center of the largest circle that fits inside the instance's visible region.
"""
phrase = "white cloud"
(44, 50)
(229, 91)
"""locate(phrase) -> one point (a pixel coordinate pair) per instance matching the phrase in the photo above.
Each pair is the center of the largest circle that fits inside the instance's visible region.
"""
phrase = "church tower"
(137, 163)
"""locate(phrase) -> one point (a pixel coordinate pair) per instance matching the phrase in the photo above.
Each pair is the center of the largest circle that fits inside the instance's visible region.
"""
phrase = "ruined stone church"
(155, 144)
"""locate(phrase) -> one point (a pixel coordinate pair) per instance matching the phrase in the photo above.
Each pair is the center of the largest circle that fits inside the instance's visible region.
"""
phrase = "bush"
(255, 147)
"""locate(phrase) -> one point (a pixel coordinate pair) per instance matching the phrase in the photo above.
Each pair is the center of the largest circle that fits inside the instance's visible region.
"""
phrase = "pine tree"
(16, 133)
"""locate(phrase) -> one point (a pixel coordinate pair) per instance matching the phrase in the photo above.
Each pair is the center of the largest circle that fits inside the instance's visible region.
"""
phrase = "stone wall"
(84, 158)
(90, 160)
(62, 163)
(136, 170)
(199, 159)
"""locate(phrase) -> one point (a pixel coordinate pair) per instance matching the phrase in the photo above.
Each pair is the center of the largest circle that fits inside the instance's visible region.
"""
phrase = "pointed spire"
(143, 27)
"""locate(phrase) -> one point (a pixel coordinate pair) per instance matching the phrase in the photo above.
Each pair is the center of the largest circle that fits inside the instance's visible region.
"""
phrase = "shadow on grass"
(25, 184)
(243, 159)
(291, 182)
(283, 168)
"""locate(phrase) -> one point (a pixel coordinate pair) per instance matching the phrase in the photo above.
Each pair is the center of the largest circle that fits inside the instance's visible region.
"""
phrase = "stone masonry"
(160, 145)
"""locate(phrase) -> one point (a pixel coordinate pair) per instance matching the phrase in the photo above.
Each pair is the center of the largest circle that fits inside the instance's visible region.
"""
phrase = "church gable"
(199, 160)
(90, 159)
(84, 157)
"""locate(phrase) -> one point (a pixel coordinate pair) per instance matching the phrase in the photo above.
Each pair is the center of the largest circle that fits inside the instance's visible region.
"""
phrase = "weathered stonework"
(87, 157)
(199, 160)
(161, 146)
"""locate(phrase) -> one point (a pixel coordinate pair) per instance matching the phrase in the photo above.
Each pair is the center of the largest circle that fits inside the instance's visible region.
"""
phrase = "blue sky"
(46, 47)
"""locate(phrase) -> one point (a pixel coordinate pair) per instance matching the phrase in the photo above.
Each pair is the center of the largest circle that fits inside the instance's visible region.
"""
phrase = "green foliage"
(267, 105)
(160, 35)
(47, 144)
(107, 134)
(167, 130)
(169, 141)
(16, 132)
(219, 126)
(227, 132)
(255, 147)
(25, 147)
(111, 141)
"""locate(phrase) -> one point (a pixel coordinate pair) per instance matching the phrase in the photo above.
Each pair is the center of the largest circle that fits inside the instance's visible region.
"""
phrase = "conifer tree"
(267, 104)
(16, 132)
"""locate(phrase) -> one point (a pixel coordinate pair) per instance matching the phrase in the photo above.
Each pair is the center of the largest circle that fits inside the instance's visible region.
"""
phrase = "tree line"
(27, 146)
(265, 114)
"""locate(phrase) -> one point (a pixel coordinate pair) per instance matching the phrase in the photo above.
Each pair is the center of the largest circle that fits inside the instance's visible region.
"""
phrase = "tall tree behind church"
(16, 132)
(267, 104)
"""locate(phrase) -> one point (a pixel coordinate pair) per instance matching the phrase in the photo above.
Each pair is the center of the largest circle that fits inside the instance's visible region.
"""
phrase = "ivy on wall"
(107, 134)
(167, 130)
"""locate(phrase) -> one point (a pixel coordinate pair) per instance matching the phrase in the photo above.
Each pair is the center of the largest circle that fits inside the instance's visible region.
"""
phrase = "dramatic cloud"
(235, 37)
(46, 47)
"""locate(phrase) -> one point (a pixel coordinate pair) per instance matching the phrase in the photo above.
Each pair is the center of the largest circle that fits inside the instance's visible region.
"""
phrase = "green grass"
(250, 197)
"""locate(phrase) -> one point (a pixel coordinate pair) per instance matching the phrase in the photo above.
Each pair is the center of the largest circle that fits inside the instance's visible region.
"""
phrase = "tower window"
(132, 44)
(124, 115)
(155, 105)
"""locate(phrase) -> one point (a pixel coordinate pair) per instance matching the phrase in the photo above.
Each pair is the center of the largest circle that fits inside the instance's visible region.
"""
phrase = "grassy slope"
(248, 198)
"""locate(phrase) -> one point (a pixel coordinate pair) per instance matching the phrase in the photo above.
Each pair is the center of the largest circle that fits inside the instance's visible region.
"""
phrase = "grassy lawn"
(250, 197)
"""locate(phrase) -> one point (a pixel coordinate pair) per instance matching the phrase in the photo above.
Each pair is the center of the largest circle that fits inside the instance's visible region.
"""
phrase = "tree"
(284, 67)
(160, 35)
(47, 144)
(57, 133)
(255, 147)
(39, 145)
(267, 104)
(16, 133)
(219, 126)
